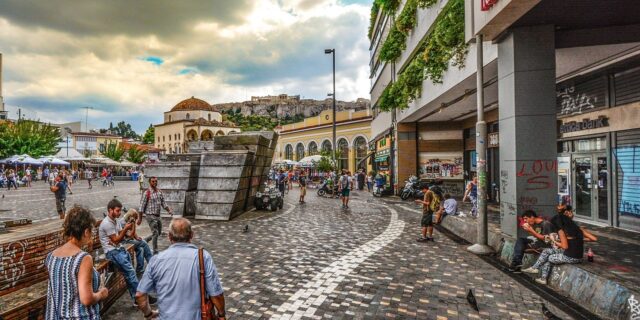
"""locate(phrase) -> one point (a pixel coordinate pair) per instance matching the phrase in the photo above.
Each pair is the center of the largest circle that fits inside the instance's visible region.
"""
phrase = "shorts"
(303, 191)
(60, 206)
(427, 220)
(345, 192)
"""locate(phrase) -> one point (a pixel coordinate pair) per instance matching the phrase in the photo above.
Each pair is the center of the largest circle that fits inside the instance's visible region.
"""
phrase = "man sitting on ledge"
(537, 227)
(112, 233)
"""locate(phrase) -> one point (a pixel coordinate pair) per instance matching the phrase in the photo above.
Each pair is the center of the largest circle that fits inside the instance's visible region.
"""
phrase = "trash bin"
(134, 176)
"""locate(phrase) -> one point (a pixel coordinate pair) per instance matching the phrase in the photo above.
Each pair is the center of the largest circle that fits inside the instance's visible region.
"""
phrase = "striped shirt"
(63, 298)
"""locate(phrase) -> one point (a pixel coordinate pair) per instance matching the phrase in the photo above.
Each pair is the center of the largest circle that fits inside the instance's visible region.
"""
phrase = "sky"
(134, 60)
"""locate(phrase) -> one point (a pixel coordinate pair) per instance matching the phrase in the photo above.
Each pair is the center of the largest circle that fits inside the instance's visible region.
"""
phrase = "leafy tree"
(326, 163)
(123, 129)
(28, 137)
(135, 154)
(149, 135)
(114, 151)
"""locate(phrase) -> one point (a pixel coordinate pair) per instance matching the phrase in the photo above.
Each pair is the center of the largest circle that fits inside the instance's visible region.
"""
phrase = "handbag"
(207, 310)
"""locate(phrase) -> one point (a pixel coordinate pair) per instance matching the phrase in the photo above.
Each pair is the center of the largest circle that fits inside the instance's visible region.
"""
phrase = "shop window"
(360, 145)
(343, 154)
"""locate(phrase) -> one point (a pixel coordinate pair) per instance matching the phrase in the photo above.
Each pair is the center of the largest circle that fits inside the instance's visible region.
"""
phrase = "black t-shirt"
(61, 193)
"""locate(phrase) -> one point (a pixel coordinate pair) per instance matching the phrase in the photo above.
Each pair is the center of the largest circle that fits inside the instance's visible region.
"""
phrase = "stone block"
(220, 196)
(223, 183)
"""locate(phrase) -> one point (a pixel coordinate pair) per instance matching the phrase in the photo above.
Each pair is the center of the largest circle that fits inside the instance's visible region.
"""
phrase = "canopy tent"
(310, 161)
(21, 160)
(127, 163)
(51, 160)
(105, 161)
(287, 162)
(70, 154)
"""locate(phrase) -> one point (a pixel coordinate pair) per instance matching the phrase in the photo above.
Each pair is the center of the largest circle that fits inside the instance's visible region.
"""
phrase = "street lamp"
(333, 95)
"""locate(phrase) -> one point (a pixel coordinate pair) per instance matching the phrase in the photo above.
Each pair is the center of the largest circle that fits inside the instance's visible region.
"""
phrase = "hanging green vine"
(375, 8)
(393, 46)
(444, 44)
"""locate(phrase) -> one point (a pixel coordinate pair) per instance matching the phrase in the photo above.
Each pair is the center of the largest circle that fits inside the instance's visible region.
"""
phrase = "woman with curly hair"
(73, 290)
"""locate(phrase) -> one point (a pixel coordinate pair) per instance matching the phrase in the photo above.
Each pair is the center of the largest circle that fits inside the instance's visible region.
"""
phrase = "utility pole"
(86, 118)
(481, 246)
(335, 148)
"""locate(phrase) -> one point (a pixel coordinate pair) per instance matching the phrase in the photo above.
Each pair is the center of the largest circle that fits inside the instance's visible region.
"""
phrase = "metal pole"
(67, 146)
(335, 147)
(481, 246)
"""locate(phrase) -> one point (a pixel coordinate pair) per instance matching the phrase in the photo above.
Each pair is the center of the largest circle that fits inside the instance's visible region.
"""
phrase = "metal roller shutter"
(627, 155)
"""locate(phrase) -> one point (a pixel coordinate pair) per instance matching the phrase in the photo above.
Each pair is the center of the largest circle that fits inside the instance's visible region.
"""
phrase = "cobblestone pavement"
(38, 202)
(316, 261)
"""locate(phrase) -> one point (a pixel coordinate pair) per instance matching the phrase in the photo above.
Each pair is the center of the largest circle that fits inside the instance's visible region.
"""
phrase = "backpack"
(435, 203)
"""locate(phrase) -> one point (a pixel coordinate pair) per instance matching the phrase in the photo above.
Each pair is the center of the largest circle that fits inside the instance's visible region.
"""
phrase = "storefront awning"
(382, 158)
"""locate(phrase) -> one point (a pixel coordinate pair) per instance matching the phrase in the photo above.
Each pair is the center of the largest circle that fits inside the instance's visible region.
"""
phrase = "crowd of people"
(175, 279)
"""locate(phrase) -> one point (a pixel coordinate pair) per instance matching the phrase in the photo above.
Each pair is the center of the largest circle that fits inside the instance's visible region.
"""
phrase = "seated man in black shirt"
(536, 227)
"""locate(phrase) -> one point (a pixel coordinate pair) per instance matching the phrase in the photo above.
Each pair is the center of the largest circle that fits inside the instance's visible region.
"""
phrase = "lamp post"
(333, 95)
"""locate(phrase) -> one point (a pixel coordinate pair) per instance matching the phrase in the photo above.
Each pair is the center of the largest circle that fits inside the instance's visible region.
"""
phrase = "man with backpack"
(345, 185)
(151, 203)
(430, 205)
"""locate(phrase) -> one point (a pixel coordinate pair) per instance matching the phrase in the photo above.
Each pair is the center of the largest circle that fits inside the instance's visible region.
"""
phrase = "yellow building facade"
(314, 134)
(190, 120)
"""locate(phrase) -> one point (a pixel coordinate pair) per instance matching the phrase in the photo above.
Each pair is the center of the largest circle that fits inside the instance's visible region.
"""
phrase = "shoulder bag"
(207, 309)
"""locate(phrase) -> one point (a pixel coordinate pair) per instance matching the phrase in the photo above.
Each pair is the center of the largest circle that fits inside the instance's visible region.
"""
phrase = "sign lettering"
(585, 124)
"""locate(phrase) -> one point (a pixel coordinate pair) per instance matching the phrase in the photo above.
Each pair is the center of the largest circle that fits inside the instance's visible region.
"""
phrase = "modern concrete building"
(91, 143)
(562, 102)
(190, 120)
(314, 134)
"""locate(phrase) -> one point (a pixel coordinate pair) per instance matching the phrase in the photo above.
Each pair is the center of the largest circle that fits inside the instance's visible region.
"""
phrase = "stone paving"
(316, 261)
(38, 202)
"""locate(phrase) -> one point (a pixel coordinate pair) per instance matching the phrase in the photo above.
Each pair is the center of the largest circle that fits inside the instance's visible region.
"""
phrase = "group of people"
(14, 177)
(435, 206)
(173, 275)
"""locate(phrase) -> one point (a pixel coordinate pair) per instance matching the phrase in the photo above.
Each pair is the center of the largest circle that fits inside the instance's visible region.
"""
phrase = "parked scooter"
(412, 188)
(325, 189)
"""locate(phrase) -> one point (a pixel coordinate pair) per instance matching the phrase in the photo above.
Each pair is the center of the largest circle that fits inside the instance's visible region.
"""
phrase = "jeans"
(549, 257)
(369, 185)
(12, 183)
(143, 253)
(155, 224)
(122, 260)
(474, 205)
(518, 251)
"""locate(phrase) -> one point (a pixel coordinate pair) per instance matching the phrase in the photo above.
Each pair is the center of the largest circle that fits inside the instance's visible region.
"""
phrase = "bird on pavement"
(246, 228)
(472, 300)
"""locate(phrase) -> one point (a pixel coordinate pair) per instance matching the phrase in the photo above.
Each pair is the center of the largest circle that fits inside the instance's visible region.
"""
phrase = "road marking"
(306, 300)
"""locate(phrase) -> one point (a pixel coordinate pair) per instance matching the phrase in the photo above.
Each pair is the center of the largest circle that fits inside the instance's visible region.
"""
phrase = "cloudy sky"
(133, 60)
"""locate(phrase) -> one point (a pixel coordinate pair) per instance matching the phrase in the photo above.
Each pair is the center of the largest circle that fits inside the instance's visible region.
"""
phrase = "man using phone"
(59, 188)
(536, 227)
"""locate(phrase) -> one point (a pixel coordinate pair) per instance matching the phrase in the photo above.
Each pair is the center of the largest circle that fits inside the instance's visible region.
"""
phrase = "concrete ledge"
(604, 297)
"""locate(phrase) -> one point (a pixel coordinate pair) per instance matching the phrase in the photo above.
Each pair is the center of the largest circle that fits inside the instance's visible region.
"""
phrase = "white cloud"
(276, 47)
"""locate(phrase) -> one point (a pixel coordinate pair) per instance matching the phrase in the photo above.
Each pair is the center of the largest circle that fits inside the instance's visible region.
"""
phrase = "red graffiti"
(538, 171)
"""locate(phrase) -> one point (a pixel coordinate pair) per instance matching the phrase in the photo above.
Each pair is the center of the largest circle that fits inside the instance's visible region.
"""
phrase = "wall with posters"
(440, 165)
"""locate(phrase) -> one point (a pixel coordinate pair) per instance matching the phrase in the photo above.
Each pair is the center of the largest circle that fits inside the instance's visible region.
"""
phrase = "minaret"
(3, 113)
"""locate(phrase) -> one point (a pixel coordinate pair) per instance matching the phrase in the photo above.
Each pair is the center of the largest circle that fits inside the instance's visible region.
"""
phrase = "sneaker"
(531, 270)
(431, 239)
(515, 269)
(541, 281)
(421, 239)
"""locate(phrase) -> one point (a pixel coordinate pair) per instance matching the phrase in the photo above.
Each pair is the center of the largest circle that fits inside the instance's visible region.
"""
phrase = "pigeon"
(548, 314)
(246, 228)
(472, 300)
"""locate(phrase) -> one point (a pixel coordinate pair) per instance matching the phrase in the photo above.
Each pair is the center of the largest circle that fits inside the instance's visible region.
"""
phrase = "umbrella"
(21, 159)
(53, 161)
(70, 154)
(310, 161)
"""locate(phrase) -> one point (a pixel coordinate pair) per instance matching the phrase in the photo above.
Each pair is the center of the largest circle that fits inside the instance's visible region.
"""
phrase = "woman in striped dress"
(73, 291)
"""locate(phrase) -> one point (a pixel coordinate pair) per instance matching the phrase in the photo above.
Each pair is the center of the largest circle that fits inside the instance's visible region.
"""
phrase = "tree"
(28, 137)
(326, 163)
(124, 130)
(149, 135)
(114, 151)
(135, 154)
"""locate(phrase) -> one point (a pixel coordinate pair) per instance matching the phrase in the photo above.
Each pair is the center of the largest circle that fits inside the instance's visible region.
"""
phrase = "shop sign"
(585, 124)
(494, 140)
(485, 5)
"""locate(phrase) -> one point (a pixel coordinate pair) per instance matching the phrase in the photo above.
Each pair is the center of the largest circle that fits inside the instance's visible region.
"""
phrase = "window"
(163, 138)
(299, 151)
(326, 145)
(188, 116)
(360, 145)
(313, 148)
(343, 156)
(288, 152)
(169, 118)
(169, 137)
(209, 117)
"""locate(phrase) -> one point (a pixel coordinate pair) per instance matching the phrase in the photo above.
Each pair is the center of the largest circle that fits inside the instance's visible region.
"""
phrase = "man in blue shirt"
(174, 274)
(60, 191)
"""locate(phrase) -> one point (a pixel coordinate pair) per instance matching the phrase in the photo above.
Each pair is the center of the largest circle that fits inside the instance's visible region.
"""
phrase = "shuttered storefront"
(627, 156)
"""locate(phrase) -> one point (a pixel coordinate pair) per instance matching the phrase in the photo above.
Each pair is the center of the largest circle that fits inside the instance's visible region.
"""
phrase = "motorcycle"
(325, 189)
(270, 198)
(412, 188)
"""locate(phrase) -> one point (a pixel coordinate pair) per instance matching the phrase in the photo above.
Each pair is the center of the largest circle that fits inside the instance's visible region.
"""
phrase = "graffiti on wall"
(445, 167)
(539, 174)
(629, 163)
(12, 267)
(572, 102)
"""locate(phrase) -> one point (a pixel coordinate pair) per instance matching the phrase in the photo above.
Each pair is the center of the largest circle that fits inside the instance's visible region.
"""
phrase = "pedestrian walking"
(151, 203)
(370, 181)
(112, 233)
(302, 181)
(60, 191)
(141, 180)
(290, 180)
(281, 181)
(471, 193)
(73, 288)
(430, 205)
(345, 185)
(28, 173)
(45, 175)
(89, 176)
(184, 277)
(11, 180)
